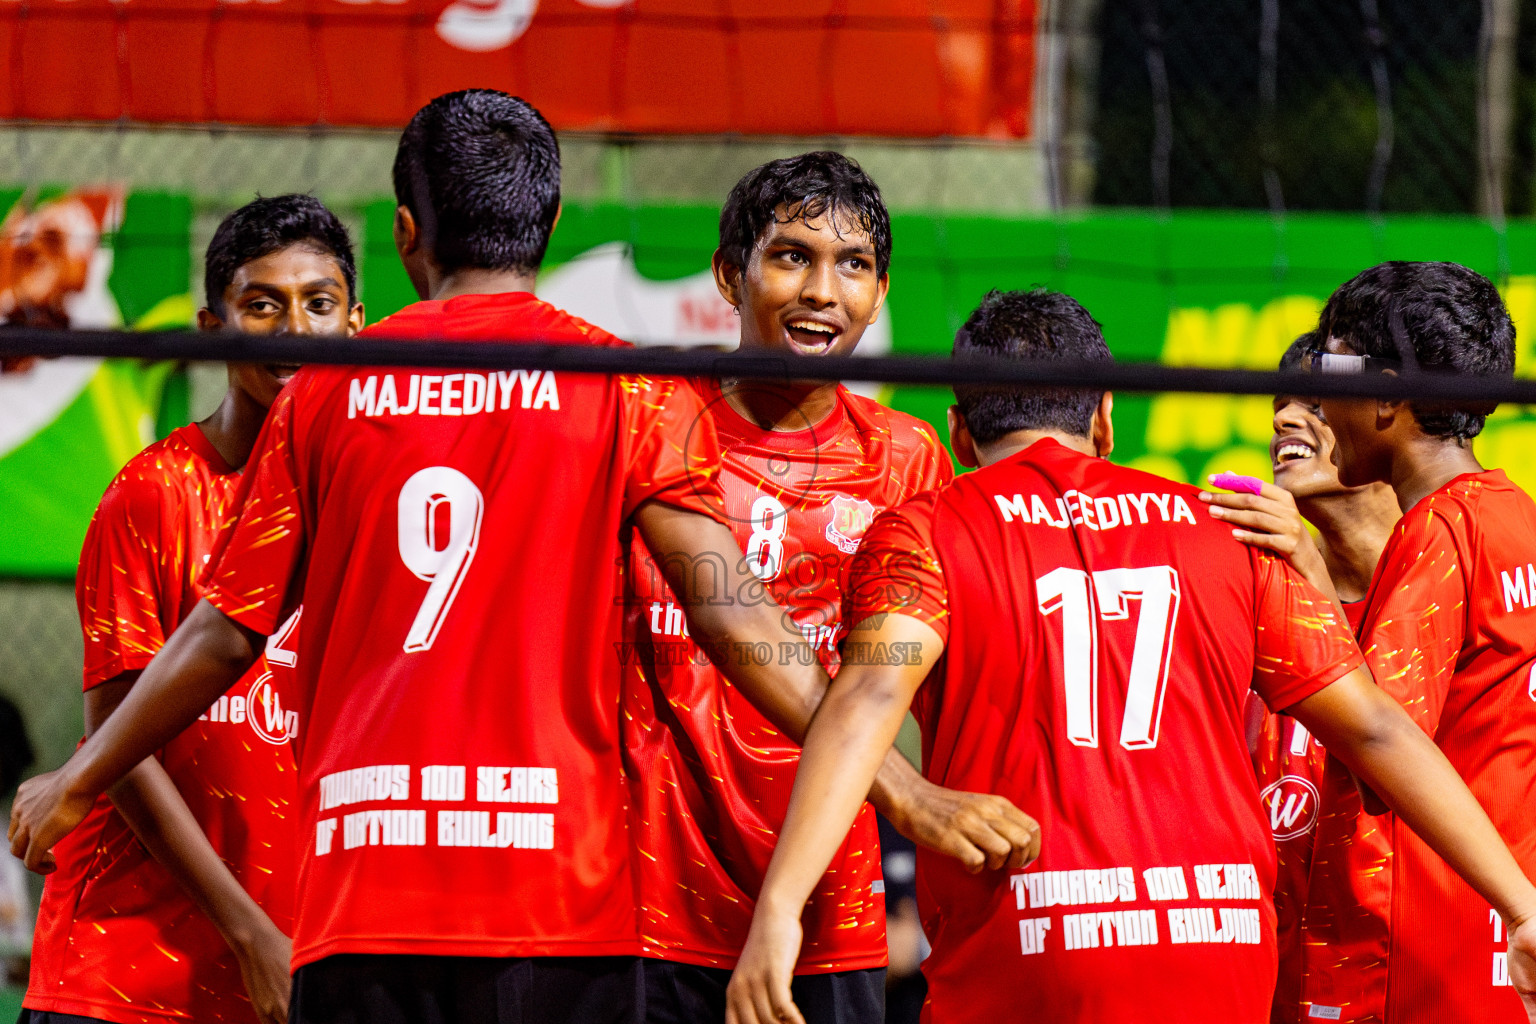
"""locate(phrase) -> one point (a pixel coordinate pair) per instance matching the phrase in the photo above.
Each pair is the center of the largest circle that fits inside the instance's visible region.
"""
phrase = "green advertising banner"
(1211, 289)
(85, 258)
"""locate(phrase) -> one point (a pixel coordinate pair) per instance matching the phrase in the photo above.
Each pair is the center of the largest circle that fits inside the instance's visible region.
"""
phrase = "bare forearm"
(895, 783)
(732, 617)
(204, 657)
(789, 687)
(154, 808)
(844, 750)
(1385, 749)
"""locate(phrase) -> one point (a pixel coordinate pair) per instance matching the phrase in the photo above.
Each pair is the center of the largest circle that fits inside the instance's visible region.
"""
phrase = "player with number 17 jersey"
(1101, 633)
(712, 775)
(460, 784)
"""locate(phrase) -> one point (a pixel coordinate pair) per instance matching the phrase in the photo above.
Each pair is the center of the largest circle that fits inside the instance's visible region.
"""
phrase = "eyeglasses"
(1339, 363)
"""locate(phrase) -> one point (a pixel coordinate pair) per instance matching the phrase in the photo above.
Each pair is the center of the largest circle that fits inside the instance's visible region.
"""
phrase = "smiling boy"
(180, 881)
(1352, 524)
(1391, 933)
(805, 248)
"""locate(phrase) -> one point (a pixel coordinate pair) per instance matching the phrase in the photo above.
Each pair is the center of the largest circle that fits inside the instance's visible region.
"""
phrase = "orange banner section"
(904, 68)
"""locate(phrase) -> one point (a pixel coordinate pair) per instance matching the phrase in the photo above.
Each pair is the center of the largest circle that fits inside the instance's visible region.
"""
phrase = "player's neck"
(477, 281)
(1425, 464)
(1353, 527)
(781, 405)
(1011, 444)
(233, 427)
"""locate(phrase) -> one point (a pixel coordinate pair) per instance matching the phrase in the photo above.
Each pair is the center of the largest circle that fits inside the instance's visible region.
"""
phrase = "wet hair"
(1440, 316)
(807, 186)
(1034, 324)
(480, 172)
(16, 753)
(266, 225)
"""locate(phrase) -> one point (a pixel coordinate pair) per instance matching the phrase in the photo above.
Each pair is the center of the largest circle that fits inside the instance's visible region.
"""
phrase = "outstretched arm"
(206, 655)
(1364, 727)
(846, 745)
(154, 808)
(708, 574)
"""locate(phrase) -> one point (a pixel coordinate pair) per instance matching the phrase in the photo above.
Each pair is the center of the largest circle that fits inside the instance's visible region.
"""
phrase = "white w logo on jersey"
(1292, 804)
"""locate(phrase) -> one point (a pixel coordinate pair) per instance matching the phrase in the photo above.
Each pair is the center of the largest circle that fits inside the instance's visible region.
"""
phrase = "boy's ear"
(407, 235)
(960, 440)
(885, 287)
(208, 320)
(727, 278)
(1103, 431)
(355, 319)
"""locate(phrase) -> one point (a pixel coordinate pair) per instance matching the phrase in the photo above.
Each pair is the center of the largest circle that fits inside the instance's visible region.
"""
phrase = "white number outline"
(277, 651)
(420, 498)
(1157, 589)
(770, 522)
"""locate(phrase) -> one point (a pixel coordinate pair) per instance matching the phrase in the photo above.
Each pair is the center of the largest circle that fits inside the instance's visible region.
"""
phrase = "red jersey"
(455, 538)
(1290, 763)
(1102, 633)
(712, 776)
(117, 938)
(1392, 933)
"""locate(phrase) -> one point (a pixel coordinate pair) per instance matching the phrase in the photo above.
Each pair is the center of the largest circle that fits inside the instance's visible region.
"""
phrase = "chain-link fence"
(1371, 105)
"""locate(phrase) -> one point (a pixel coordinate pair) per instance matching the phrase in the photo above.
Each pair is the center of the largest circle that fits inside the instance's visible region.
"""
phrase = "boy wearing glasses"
(1449, 629)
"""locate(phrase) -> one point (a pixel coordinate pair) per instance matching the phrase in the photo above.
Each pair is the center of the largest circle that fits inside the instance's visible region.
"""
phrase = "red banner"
(915, 68)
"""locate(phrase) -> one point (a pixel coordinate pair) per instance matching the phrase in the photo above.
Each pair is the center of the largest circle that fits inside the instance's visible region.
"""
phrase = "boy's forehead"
(791, 219)
(300, 260)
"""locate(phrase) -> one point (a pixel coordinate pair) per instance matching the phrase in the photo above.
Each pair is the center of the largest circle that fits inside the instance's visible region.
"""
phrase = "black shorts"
(49, 1017)
(352, 988)
(685, 994)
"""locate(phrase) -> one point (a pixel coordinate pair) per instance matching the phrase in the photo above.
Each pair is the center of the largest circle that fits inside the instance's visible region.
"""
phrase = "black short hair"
(265, 225)
(1034, 324)
(480, 172)
(808, 186)
(16, 753)
(1449, 317)
(1295, 355)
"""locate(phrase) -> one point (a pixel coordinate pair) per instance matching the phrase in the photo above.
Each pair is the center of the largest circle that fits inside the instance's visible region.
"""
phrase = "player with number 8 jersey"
(806, 465)
(714, 776)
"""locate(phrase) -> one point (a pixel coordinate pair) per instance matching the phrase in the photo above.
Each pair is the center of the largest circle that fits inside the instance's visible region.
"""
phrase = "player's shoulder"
(1472, 502)
(157, 477)
(1491, 490)
(917, 513)
(575, 326)
(907, 433)
(502, 316)
(1475, 512)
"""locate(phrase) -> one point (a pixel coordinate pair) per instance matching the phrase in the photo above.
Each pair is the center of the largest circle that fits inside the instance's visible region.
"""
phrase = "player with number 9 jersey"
(1101, 633)
(712, 775)
(454, 537)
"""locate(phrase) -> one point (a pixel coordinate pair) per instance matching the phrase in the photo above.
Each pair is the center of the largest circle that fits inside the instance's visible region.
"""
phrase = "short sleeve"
(896, 569)
(1302, 642)
(672, 452)
(253, 573)
(125, 611)
(1415, 621)
(932, 467)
